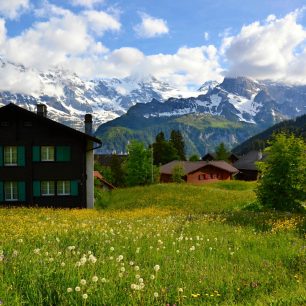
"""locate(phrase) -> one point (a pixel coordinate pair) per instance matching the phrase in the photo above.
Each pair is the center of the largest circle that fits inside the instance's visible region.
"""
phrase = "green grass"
(216, 197)
(210, 250)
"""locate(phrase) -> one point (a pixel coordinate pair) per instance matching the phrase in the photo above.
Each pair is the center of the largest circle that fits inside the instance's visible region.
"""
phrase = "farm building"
(247, 165)
(199, 172)
(45, 163)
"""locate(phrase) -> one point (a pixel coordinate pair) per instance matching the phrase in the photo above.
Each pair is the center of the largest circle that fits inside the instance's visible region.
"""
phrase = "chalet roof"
(47, 121)
(189, 166)
(213, 156)
(248, 161)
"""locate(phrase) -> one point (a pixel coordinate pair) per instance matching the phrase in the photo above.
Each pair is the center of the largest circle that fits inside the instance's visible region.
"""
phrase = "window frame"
(13, 190)
(48, 185)
(47, 158)
(64, 184)
(12, 155)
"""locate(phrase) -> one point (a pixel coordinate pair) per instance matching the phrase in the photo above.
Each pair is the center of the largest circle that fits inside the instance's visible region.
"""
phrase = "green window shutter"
(1, 191)
(36, 188)
(21, 191)
(63, 153)
(36, 153)
(1, 156)
(74, 188)
(21, 156)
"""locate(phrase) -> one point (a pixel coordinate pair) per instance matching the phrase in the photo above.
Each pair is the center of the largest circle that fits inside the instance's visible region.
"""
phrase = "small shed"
(104, 183)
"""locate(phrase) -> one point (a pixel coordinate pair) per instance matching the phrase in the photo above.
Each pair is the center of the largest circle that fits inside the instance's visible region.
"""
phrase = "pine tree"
(176, 139)
(221, 152)
(163, 151)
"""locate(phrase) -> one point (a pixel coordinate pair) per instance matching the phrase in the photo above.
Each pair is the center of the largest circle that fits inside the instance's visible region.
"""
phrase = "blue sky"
(182, 42)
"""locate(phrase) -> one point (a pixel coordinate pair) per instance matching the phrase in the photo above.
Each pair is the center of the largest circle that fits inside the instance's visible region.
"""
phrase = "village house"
(199, 172)
(45, 163)
(246, 165)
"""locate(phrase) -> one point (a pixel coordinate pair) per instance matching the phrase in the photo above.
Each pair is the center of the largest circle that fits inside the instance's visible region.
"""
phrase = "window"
(11, 191)
(47, 188)
(47, 153)
(10, 156)
(63, 188)
(202, 177)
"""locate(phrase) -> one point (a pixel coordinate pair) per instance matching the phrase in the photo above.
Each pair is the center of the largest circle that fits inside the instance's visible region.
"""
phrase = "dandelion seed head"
(95, 279)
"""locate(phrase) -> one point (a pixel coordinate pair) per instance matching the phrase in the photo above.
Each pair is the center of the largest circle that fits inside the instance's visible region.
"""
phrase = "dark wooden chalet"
(199, 172)
(247, 166)
(44, 163)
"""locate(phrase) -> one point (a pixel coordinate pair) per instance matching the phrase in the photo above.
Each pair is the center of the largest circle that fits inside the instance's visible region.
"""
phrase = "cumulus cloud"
(2, 31)
(100, 21)
(187, 67)
(151, 27)
(62, 38)
(13, 8)
(86, 3)
(267, 50)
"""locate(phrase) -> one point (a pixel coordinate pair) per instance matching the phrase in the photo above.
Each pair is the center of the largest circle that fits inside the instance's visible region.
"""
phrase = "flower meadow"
(153, 254)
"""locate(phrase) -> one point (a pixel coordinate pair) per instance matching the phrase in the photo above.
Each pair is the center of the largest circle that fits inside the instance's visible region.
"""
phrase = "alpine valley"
(139, 108)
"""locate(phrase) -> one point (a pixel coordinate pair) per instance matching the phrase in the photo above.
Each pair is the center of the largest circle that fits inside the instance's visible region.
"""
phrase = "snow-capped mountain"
(238, 99)
(68, 97)
(230, 112)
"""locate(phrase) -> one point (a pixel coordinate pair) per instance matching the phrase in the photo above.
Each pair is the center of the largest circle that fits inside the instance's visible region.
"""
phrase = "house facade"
(44, 163)
(199, 172)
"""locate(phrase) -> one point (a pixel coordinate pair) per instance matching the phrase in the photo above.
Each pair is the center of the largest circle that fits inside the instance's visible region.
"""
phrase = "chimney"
(42, 110)
(88, 124)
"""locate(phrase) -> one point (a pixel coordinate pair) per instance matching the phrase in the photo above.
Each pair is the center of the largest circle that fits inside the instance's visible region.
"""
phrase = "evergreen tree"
(282, 185)
(163, 151)
(176, 139)
(138, 165)
(221, 152)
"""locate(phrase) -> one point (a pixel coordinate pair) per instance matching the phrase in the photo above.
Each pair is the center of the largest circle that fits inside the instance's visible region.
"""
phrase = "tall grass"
(157, 245)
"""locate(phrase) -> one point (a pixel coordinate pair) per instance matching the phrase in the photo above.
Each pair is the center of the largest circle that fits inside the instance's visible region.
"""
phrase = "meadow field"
(165, 244)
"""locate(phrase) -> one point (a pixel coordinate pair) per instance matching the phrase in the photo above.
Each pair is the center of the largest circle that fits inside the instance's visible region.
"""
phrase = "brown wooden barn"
(199, 172)
(43, 162)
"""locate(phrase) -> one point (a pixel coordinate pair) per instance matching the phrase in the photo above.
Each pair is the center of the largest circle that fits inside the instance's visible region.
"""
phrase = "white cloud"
(206, 35)
(61, 40)
(13, 8)
(2, 31)
(100, 21)
(151, 27)
(86, 3)
(266, 50)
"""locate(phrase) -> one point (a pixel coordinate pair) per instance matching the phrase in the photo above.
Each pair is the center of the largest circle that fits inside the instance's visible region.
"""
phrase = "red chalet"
(199, 172)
